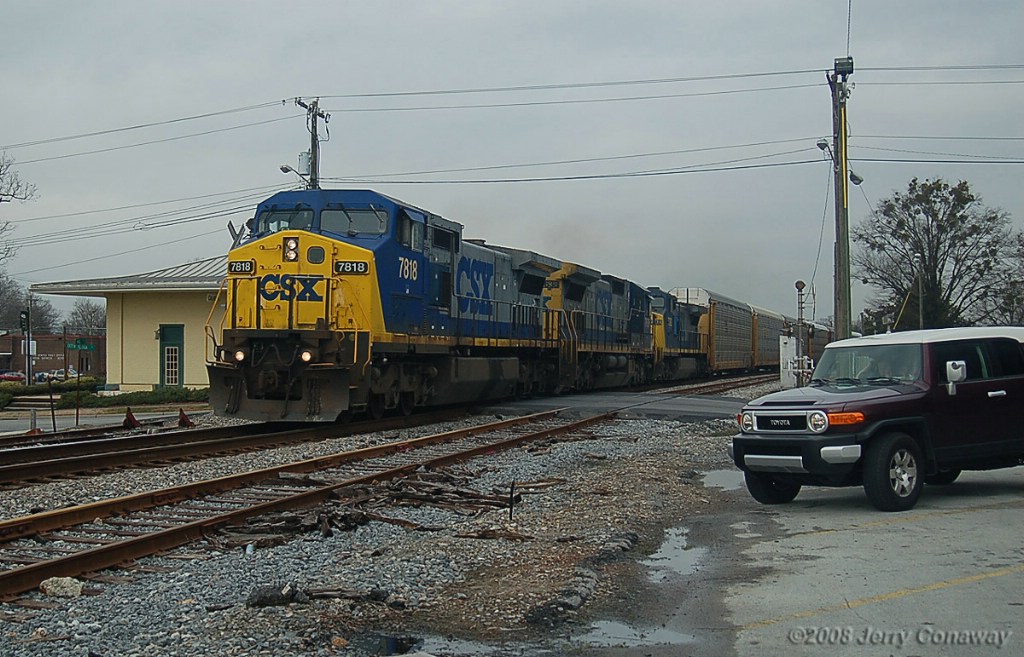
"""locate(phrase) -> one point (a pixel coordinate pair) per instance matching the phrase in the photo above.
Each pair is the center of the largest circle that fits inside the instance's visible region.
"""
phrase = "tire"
(893, 472)
(768, 490)
(942, 477)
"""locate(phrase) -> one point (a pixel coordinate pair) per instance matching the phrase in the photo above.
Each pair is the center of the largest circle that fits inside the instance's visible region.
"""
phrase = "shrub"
(159, 396)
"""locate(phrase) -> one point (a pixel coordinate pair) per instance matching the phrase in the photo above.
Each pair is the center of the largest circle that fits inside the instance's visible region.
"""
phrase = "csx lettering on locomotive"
(287, 287)
(473, 285)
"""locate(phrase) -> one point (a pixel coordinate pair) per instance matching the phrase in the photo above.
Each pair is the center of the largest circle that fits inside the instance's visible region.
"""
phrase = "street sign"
(81, 346)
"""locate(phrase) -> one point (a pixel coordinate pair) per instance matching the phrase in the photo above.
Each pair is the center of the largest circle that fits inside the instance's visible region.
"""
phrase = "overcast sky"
(747, 230)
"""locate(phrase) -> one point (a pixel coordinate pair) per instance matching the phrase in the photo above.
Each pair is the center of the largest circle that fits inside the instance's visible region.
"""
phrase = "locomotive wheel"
(375, 407)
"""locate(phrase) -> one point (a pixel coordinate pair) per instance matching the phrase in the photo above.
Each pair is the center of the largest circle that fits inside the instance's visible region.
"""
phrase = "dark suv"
(889, 412)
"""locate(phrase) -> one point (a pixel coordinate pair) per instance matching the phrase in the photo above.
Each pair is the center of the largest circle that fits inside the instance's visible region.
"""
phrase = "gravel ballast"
(597, 500)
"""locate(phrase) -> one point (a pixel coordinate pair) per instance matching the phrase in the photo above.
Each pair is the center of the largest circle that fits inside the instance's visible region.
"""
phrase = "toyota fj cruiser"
(890, 412)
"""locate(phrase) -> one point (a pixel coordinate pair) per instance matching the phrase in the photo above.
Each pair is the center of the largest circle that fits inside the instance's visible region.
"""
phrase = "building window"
(171, 366)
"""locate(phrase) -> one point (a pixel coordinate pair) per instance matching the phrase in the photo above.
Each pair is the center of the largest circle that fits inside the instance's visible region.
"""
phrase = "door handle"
(997, 393)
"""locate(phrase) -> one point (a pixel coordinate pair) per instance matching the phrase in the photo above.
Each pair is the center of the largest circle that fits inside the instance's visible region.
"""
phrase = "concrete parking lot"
(832, 576)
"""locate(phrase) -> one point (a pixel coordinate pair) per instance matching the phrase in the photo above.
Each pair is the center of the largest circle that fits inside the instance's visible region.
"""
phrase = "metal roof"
(935, 335)
(205, 274)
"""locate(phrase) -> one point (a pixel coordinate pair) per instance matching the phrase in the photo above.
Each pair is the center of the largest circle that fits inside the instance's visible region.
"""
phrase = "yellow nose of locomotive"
(300, 312)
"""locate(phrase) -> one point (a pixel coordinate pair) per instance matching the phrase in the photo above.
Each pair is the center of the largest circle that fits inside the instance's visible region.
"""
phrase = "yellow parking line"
(893, 595)
(904, 518)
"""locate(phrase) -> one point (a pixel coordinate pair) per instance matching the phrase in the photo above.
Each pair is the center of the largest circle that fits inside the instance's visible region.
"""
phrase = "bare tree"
(14, 298)
(934, 252)
(86, 316)
(12, 188)
(1007, 307)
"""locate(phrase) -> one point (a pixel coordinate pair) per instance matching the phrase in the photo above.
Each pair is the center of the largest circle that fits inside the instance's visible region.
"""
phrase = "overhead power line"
(65, 215)
(510, 88)
(602, 176)
(140, 126)
(113, 255)
(157, 141)
(587, 160)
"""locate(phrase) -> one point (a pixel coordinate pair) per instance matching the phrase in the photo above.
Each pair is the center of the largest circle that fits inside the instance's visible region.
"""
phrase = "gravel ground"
(602, 499)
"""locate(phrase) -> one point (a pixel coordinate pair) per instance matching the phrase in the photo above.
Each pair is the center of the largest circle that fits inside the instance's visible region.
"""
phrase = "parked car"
(890, 412)
(17, 377)
(61, 375)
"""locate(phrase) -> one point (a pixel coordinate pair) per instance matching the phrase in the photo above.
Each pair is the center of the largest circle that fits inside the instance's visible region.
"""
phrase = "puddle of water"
(674, 557)
(382, 644)
(610, 633)
(724, 479)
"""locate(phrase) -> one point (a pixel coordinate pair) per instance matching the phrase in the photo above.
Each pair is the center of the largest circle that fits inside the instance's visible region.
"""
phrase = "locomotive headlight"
(306, 355)
(291, 249)
(240, 355)
(746, 421)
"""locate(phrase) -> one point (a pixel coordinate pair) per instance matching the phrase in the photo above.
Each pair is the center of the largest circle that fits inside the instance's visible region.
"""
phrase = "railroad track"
(71, 435)
(25, 465)
(74, 541)
(721, 385)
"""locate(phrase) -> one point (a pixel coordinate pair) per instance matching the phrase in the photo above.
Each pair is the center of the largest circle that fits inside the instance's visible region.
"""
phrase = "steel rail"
(30, 463)
(25, 578)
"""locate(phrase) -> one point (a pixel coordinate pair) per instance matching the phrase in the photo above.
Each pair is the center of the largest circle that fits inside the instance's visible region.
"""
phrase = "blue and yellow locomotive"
(348, 301)
(343, 301)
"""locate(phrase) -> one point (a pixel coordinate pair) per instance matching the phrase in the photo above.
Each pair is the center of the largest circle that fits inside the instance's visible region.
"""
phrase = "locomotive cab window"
(273, 221)
(445, 240)
(354, 222)
(410, 233)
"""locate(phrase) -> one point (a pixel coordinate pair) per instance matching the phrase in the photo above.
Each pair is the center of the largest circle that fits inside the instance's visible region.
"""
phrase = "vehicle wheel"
(942, 478)
(892, 472)
(768, 490)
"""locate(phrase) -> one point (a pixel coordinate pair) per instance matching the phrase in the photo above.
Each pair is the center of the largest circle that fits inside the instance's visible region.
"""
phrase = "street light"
(288, 169)
(823, 145)
(841, 276)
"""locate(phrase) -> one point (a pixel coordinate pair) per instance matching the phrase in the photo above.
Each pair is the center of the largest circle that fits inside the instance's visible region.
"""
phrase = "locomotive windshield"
(351, 222)
(272, 221)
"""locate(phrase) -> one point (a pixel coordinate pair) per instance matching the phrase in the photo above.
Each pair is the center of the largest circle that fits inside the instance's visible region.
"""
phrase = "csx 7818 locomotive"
(345, 301)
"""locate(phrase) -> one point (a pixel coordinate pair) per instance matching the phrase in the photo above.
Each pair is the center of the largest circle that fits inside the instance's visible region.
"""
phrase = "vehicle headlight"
(240, 355)
(306, 355)
(746, 420)
(817, 421)
(291, 249)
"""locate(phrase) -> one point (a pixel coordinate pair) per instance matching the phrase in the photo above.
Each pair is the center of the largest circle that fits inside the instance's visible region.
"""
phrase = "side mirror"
(956, 371)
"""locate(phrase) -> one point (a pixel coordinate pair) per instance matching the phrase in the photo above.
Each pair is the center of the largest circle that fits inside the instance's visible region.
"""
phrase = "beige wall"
(133, 353)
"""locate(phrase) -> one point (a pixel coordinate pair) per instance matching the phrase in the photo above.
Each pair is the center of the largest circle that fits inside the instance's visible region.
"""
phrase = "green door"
(172, 355)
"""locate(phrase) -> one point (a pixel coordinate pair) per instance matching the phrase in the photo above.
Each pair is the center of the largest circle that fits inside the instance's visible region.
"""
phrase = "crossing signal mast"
(25, 321)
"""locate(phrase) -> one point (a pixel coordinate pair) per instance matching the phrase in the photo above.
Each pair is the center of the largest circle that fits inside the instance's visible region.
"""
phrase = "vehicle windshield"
(352, 222)
(869, 364)
(273, 221)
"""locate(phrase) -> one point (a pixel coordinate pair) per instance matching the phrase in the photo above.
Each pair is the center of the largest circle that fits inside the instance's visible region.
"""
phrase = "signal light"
(24, 320)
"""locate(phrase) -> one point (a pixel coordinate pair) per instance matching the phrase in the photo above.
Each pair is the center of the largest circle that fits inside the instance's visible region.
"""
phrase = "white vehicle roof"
(934, 335)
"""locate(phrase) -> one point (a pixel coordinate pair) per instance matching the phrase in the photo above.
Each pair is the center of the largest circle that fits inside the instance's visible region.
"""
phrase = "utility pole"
(313, 112)
(840, 92)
